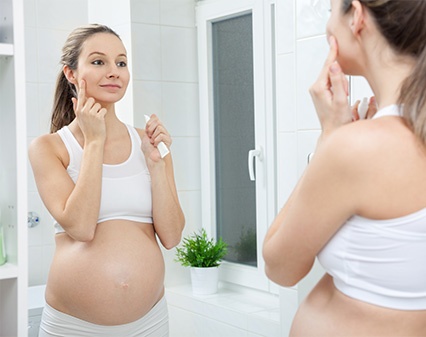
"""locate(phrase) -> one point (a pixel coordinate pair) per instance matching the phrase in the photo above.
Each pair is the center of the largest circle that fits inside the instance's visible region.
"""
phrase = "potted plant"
(203, 256)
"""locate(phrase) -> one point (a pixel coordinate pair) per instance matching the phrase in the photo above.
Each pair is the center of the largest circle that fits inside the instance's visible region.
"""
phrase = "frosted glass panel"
(232, 42)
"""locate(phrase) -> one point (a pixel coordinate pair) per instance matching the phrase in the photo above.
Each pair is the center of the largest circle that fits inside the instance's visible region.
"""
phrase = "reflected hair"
(403, 25)
(63, 110)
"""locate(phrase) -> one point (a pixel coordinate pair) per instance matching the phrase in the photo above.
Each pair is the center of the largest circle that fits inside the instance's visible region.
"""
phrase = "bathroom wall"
(164, 74)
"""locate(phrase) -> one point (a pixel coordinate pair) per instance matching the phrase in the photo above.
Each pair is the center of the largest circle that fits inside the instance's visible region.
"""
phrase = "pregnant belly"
(114, 279)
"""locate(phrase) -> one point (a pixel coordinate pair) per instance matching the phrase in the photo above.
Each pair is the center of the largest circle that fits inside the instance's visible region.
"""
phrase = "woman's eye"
(97, 62)
(122, 64)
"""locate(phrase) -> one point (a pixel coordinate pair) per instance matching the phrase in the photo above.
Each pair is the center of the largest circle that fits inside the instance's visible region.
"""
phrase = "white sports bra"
(382, 262)
(126, 187)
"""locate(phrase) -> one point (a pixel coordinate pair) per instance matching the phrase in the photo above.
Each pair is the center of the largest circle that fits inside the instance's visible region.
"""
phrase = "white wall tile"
(187, 163)
(33, 117)
(286, 93)
(180, 13)
(181, 322)
(287, 172)
(109, 12)
(145, 11)
(180, 108)
(310, 58)
(285, 26)
(49, 42)
(184, 323)
(147, 101)
(312, 16)
(61, 14)
(35, 260)
(265, 323)
(31, 64)
(250, 334)
(29, 10)
(146, 46)
(179, 54)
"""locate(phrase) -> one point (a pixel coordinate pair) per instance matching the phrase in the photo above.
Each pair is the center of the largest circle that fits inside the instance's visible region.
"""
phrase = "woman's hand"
(330, 93)
(90, 115)
(371, 111)
(155, 133)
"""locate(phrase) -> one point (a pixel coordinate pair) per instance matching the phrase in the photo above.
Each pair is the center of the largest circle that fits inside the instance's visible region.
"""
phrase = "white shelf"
(6, 49)
(245, 309)
(8, 271)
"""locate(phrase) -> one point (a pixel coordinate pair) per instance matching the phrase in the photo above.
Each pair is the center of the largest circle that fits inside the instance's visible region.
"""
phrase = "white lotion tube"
(162, 148)
(363, 108)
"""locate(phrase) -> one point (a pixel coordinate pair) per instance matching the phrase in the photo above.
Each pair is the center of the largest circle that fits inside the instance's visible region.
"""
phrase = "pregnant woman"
(111, 195)
(360, 206)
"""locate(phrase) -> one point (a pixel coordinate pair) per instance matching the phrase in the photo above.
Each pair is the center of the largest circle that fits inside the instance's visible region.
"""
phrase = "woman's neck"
(385, 72)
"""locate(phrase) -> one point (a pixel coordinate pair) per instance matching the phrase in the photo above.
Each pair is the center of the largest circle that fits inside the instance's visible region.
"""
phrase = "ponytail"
(413, 97)
(63, 110)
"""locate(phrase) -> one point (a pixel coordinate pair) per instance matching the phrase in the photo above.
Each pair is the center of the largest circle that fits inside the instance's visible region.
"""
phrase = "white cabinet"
(13, 170)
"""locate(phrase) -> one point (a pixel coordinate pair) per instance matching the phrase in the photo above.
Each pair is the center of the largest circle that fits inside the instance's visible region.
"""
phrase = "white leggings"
(57, 324)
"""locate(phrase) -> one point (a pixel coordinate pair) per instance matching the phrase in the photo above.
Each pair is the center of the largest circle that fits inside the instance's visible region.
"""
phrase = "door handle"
(251, 155)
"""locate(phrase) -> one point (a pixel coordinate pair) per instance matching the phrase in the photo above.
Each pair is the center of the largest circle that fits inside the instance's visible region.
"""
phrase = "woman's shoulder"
(370, 137)
(46, 145)
(368, 146)
(45, 141)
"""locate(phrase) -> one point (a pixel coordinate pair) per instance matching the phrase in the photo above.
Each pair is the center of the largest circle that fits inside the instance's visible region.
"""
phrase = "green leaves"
(199, 251)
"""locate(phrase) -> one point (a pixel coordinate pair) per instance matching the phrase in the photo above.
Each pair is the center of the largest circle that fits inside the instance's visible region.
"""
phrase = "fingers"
(157, 132)
(339, 83)
(354, 110)
(83, 105)
(323, 84)
(331, 57)
(81, 97)
(372, 107)
(330, 92)
(364, 109)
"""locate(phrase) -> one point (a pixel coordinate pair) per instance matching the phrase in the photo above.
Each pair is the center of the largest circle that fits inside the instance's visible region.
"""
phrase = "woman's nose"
(113, 71)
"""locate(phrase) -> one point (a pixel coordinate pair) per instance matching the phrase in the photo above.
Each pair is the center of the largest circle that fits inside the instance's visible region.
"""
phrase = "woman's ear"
(358, 17)
(69, 74)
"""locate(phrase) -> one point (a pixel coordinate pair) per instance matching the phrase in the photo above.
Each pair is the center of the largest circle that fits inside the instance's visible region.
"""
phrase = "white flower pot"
(204, 280)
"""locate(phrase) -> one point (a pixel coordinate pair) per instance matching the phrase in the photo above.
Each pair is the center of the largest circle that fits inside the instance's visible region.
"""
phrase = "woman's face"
(103, 66)
(339, 26)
